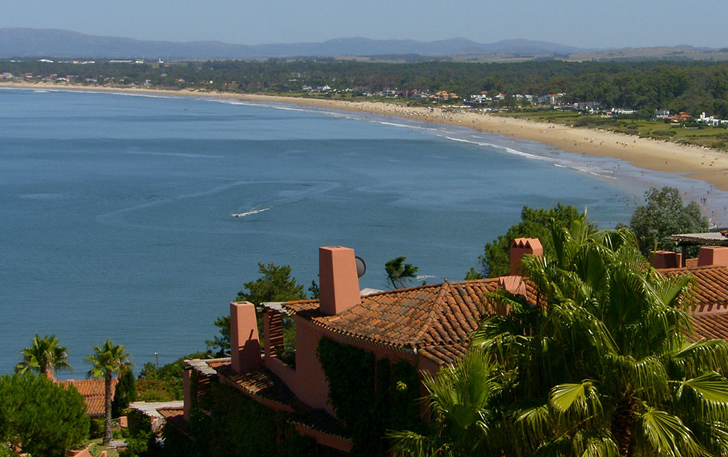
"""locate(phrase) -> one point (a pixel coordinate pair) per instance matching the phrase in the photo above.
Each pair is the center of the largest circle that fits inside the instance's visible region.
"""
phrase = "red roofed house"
(92, 391)
(427, 326)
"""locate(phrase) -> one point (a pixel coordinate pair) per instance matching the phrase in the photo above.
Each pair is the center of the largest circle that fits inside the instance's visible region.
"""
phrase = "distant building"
(93, 392)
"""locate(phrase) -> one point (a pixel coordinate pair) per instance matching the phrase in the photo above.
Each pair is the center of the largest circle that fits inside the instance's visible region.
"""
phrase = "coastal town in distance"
(417, 248)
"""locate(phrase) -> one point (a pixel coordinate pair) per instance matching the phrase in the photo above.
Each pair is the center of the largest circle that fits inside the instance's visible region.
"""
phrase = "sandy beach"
(693, 162)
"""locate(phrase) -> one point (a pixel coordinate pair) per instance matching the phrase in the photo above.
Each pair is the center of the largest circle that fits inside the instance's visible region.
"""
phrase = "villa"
(425, 327)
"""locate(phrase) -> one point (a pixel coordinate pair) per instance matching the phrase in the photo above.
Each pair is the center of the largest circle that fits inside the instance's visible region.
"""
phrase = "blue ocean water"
(116, 210)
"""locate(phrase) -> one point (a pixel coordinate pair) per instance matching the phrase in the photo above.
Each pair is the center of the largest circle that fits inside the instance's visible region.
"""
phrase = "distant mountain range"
(54, 43)
(59, 44)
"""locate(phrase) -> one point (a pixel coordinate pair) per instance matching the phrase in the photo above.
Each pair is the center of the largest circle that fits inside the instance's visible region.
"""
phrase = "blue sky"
(583, 23)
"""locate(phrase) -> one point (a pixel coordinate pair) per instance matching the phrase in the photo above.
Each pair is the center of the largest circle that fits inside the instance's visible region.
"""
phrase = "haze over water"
(115, 210)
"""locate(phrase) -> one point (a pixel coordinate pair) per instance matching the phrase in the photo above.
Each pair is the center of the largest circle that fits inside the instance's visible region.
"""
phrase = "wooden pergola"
(697, 239)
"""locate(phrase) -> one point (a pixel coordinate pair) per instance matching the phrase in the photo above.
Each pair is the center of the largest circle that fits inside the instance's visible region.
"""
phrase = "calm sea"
(115, 210)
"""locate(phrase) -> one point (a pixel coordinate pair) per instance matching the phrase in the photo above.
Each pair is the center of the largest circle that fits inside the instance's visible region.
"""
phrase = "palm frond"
(665, 435)
(411, 444)
(707, 394)
(696, 358)
(575, 404)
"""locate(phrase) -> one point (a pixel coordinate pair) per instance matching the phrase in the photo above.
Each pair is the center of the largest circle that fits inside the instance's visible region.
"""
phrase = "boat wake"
(250, 212)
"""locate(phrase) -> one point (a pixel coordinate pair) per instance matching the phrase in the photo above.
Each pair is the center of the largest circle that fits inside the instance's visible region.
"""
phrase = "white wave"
(503, 148)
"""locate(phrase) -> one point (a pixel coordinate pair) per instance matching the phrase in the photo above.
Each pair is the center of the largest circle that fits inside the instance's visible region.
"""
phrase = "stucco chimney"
(339, 289)
(665, 259)
(521, 247)
(713, 255)
(244, 340)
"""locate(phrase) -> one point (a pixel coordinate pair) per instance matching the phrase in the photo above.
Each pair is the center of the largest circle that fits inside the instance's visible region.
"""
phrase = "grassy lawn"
(710, 137)
(99, 449)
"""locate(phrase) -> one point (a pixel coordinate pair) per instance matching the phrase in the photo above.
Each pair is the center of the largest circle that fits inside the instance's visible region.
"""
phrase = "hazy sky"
(583, 23)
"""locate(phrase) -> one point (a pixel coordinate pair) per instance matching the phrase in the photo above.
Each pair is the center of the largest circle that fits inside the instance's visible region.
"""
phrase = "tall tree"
(44, 356)
(400, 273)
(275, 285)
(40, 417)
(220, 344)
(663, 215)
(108, 360)
(126, 392)
(535, 223)
(601, 365)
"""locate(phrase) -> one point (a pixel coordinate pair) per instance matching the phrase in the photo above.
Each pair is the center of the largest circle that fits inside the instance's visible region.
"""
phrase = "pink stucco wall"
(244, 340)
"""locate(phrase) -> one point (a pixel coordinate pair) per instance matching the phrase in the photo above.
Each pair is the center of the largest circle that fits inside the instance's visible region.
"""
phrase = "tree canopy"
(275, 285)
(44, 356)
(663, 215)
(41, 417)
(400, 273)
(598, 364)
(535, 223)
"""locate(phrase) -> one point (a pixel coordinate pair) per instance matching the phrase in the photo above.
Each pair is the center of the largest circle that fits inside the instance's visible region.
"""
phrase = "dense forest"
(693, 87)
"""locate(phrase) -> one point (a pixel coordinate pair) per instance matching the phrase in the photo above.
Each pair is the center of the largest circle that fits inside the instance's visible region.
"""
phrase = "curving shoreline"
(693, 162)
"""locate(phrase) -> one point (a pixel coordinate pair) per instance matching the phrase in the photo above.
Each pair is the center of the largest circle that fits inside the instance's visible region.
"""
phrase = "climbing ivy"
(369, 396)
(237, 426)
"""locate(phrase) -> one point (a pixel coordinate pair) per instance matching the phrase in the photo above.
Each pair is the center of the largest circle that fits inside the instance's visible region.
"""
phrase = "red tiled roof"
(259, 383)
(710, 316)
(171, 412)
(93, 391)
(174, 416)
(434, 317)
(265, 387)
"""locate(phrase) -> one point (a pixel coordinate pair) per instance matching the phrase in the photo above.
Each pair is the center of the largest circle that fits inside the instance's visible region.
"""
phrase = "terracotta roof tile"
(93, 391)
(431, 316)
(260, 383)
(710, 316)
(167, 413)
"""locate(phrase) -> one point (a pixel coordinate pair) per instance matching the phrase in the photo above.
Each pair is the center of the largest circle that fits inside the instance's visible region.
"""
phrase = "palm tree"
(108, 360)
(460, 403)
(44, 355)
(600, 365)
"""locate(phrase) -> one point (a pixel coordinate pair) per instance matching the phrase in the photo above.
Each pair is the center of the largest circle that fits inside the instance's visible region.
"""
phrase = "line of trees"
(645, 86)
(43, 417)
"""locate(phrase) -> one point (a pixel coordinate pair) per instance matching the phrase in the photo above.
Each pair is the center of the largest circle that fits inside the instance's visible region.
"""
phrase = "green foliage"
(275, 285)
(461, 401)
(44, 355)
(644, 86)
(96, 428)
(314, 290)
(399, 273)
(142, 441)
(126, 392)
(165, 383)
(237, 426)
(602, 364)
(108, 360)
(665, 215)
(535, 223)
(220, 344)
(369, 405)
(241, 426)
(41, 417)
(473, 274)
